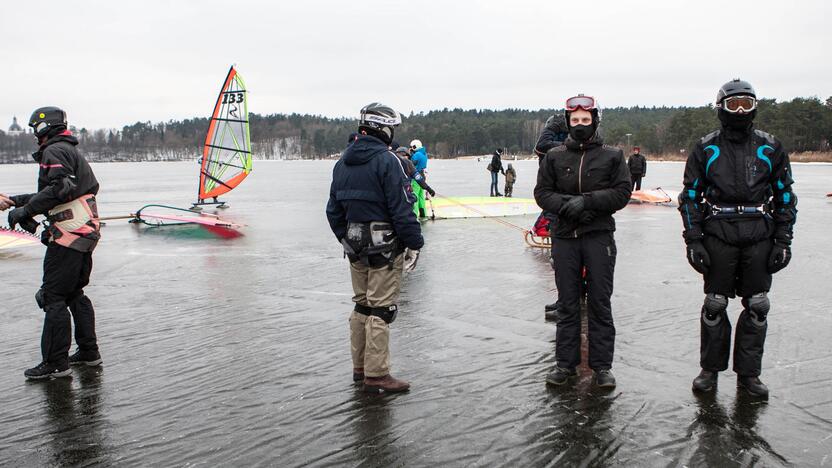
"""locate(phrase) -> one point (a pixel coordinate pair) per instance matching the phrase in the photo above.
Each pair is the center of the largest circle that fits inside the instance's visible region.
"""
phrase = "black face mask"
(581, 133)
(738, 122)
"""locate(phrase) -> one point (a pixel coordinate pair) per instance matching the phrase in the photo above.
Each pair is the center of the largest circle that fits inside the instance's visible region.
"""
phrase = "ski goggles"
(736, 104)
(39, 127)
(580, 102)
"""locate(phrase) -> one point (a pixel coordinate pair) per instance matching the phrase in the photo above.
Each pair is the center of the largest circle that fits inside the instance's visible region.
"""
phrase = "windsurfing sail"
(482, 207)
(10, 239)
(657, 196)
(226, 155)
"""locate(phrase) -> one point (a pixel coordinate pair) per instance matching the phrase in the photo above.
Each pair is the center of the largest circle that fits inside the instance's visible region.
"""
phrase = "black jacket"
(369, 184)
(595, 171)
(637, 164)
(64, 175)
(554, 134)
(496, 163)
(750, 171)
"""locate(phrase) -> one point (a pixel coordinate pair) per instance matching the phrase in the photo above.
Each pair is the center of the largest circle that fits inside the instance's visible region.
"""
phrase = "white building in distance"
(15, 128)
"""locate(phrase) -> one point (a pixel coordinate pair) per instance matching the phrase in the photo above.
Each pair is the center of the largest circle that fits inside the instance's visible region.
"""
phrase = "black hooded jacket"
(64, 175)
(597, 172)
(369, 184)
(637, 164)
(496, 163)
(738, 168)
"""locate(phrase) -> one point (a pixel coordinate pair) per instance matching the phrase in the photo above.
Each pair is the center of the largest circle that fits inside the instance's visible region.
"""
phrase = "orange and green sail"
(226, 155)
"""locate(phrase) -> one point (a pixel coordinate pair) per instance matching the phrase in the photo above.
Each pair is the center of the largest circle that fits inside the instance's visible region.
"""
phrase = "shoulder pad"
(557, 149)
(766, 136)
(710, 137)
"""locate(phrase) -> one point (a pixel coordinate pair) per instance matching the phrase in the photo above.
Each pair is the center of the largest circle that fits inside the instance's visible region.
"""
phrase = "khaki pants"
(370, 335)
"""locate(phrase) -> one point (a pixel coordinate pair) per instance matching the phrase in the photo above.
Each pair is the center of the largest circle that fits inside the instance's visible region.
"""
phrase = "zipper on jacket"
(581, 171)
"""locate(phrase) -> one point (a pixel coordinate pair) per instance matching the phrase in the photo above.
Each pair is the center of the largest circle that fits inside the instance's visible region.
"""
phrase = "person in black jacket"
(555, 132)
(738, 211)
(66, 196)
(583, 182)
(496, 167)
(370, 211)
(638, 167)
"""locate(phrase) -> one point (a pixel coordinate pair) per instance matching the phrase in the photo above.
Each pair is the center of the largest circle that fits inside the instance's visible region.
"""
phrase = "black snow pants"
(596, 251)
(636, 178)
(65, 274)
(735, 271)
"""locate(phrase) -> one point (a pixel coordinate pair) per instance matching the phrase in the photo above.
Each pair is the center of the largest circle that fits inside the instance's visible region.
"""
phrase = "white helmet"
(415, 144)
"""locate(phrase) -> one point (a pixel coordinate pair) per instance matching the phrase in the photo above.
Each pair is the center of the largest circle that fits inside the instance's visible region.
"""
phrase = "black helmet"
(379, 120)
(45, 119)
(735, 87)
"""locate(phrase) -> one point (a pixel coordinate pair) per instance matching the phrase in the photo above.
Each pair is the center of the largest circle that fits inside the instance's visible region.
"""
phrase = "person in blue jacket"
(370, 213)
(419, 157)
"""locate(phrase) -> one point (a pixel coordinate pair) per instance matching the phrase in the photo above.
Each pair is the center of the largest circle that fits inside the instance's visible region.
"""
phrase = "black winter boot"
(753, 386)
(86, 358)
(46, 370)
(560, 376)
(706, 381)
(604, 378)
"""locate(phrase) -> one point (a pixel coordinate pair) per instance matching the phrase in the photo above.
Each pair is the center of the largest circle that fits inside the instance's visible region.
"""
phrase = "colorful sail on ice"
(226, 156)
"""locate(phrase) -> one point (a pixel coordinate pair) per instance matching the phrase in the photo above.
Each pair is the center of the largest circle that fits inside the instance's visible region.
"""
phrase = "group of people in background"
(495, 167)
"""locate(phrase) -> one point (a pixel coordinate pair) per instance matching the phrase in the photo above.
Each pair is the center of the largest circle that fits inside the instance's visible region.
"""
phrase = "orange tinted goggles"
(735, 104)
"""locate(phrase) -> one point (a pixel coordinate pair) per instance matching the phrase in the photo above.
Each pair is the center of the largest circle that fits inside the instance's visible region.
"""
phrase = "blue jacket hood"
(362, 150)
(420, 159)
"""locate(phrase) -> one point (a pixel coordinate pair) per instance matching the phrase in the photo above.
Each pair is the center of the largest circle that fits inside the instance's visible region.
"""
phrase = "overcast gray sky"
(111, 63)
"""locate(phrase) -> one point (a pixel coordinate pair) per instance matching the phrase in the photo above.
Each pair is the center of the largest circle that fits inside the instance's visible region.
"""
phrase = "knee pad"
(362, 309)
(758, 307)
(714, 308)
(388, 314)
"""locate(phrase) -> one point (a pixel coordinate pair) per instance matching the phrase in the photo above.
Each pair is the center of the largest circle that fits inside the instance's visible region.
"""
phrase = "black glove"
(698, 256)
(556, 123)
(21, 217)
(586, 217)
(573, 208)
(432, 192)
(780, 256)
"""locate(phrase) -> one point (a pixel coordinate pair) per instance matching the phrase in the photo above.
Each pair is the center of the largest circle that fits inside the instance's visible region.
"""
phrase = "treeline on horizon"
(803, 124)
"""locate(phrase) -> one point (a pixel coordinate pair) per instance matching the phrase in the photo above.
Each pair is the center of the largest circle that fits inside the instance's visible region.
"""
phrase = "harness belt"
(388, 314)
(75, 224)
(735, 211)
(374, 244)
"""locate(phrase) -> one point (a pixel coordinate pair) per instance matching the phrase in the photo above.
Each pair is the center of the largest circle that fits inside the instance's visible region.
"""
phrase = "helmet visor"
(40, 127)
(736, 104)
(580, 102)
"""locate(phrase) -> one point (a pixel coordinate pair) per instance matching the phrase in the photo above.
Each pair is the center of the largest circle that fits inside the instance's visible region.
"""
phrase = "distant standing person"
(66, 196)
(511, 178)
(638, 167)
(583, 182)
(738, 211)
(495, 168)
(410, 170)
(419, 157)
(370, 213)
